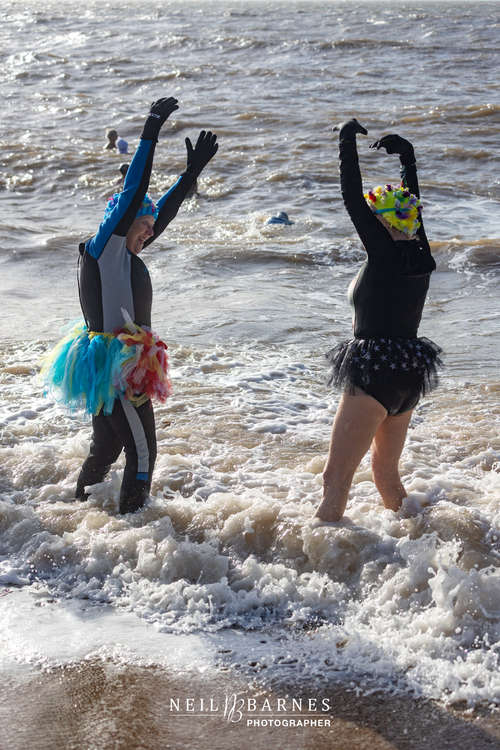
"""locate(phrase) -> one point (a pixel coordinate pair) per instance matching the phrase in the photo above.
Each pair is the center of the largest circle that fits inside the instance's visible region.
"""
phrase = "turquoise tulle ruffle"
(84, 370)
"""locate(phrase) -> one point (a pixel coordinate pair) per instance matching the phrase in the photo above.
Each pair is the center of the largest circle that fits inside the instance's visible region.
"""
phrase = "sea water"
(225, 565)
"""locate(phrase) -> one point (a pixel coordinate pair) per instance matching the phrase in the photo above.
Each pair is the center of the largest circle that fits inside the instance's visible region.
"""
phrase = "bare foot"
(393, 497)
(393, 504)
(328, 513)
(333, 504)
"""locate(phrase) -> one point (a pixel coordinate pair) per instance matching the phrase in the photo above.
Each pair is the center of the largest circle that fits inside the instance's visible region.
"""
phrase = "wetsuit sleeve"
(409, 173)
(410, 180)
(169, 204)
(371, 232)
(129, 201)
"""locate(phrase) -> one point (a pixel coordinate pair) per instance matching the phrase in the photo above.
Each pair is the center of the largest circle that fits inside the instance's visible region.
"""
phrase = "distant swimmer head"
(396, 207)
(123, 168)
(122, 146)
(280, 218)
(147, 208)
(111, 135)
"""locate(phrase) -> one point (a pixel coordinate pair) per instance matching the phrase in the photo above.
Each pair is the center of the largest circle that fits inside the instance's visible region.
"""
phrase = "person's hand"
(393, 144)
(158, 114)
(199, 156)
(350, 128)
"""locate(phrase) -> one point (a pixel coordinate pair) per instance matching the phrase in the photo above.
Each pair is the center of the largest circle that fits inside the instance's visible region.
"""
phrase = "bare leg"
(356, 422)
(386, 450)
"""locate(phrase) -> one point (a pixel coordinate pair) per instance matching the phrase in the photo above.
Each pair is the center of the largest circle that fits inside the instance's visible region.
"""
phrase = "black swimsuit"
(385, 358)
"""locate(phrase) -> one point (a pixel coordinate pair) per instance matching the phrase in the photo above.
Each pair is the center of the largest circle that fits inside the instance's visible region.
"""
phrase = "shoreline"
(100, 704)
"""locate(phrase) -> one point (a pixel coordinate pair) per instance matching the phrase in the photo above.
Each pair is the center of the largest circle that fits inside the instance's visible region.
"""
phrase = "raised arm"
(197, 159)
(351, 184)
(395, 144)
(136, 182)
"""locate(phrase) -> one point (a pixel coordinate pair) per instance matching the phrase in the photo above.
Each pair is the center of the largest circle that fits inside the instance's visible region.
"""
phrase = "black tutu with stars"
(364, 362)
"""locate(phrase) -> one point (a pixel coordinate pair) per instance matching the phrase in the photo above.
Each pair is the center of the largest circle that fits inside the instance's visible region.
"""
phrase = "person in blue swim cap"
(280, 218)
(122, 146)
(114, 364)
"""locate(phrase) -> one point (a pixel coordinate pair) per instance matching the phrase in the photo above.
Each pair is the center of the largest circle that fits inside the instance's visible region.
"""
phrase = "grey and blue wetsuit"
(110, 278)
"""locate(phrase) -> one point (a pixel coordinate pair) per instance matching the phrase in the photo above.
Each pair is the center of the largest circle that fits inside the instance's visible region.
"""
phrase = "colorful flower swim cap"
(400, 208)
(147, 208)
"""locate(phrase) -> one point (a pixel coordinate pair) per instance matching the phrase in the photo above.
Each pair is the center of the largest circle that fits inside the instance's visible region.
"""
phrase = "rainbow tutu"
(89, 370)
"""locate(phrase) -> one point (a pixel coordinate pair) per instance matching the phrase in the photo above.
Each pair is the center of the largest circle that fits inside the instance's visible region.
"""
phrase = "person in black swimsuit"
(385, 368)
(114, 364)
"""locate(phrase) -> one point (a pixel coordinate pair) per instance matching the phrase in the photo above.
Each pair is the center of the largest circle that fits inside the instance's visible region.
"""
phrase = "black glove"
(158, 113)
(350, 128)
(199, 156)
(394, 144)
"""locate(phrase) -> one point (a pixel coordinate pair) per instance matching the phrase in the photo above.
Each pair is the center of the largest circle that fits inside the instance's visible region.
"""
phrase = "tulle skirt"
(362, 362)
(90, 370)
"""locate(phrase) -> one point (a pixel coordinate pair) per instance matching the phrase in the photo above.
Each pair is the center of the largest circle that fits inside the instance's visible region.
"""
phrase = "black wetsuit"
(110, 278)
(385, 359)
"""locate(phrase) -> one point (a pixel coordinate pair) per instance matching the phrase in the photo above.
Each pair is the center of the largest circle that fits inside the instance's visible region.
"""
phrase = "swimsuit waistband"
(93, 334)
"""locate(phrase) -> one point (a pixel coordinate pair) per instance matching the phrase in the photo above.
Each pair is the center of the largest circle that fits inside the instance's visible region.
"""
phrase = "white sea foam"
(407, 601)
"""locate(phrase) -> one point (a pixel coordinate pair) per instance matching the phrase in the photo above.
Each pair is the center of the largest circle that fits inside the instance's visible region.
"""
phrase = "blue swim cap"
(147, 207)
(281, 218)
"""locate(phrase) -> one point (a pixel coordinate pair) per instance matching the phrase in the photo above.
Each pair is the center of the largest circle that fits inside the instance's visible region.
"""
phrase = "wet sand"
(100, 705)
